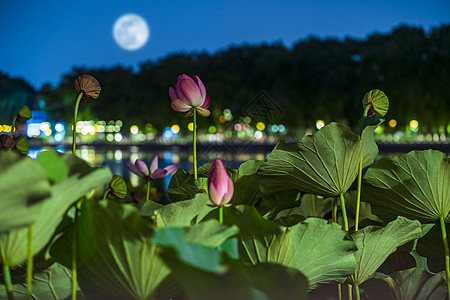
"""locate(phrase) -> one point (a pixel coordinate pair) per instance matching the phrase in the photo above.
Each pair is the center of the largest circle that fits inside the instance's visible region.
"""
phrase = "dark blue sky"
(41, 40)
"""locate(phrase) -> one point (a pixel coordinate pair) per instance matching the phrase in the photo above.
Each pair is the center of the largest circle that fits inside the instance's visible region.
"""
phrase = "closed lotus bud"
(375, 101)
(220, 186)
(89, 86)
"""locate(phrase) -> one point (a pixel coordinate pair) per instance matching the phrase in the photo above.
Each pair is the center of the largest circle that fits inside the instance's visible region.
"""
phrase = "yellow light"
(392, 123)
(1, 128)
(320, 124)
(175, 128)
(222, 119)
(413, 124)
(191, 126)
(48, 132)
(260, 126)
(134, 129)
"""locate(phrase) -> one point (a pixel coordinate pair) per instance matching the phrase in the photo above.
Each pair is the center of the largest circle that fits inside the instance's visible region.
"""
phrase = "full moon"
(131, 32)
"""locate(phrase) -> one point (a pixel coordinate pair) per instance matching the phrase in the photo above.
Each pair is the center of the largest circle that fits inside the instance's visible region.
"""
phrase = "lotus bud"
(189, 93)
(89, 86)
(220, 186)
(375, 101)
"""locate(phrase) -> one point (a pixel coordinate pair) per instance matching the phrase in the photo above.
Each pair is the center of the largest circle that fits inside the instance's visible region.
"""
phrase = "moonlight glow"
(131, 32)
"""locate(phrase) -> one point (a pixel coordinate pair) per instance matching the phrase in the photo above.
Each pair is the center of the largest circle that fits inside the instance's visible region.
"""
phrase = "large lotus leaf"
(323, 164)
(53, 283)
(182, 186)
(183, 213)
(116, 258)
(431, 246)
(23, 187)
(246, 183)
(53, 164)
(376, 243)
(415, 185)
(81, 180)
(315, 248)
(417, 284)
(203, 274)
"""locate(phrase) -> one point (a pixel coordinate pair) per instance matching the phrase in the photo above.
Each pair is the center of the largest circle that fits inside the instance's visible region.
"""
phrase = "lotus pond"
(321, 218)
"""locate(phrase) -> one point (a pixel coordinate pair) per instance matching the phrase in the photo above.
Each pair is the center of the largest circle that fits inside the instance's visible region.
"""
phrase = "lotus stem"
(148, 189)
(8, 282)
(335, 209)
(74, 255)
(221, 214)
(350, 291)
(358, 296)
(30, 261)
(313, 202)
(344, 212)
(106, 193)
(447, 256)
(339, 291)
(195, 145)
(366, 110)
(12, 127)
(358, 199)
(75, 114)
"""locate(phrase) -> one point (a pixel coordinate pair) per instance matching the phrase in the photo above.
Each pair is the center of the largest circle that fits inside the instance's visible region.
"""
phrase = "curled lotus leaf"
(378, 102)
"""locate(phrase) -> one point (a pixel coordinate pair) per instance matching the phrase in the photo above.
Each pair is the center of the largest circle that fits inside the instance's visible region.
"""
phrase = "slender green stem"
(335, 209)
(74, 256)
(12, 127)
(339, 291)
(75, 114)
(313, 200)
(106, 193)
(350, 291)
(30, 260)
(221, 215)
(366, 110)
(447, 257)
(148, 189)
(8, 282)
(195, 144)
(358, 296)
(344, 212)
(358, 199)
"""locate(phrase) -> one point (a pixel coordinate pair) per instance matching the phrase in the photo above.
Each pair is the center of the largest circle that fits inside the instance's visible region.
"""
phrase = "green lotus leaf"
(431, 246)
(118, 187)
(80, 180)
(183, 213)
(22, 145)
(417, 284)
(315, 248)
(115, 257)
(323, 164)
(377, 100)
(23, 188)
(415, 185)
(376, 243)
(182, 186)
(53, 164)
(246, 183)
(24, 114)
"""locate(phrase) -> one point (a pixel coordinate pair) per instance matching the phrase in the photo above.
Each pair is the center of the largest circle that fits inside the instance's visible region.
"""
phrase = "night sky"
(41, 40)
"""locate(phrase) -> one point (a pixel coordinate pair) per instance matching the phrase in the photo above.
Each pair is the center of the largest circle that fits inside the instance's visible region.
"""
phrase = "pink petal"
(229, 194)
(134, 170)
(218, 178)
(173, 94)
(180, 105)
(203, 112)
(171, 169)
(201, 86)
(154, 164)
(191, 91)
(142, 167)
(213, 196)
(159, 173)
(178, 87)
(206, 103)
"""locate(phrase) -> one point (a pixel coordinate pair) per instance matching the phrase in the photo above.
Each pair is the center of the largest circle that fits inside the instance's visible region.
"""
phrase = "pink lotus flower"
(189, 94)
(220, 186)
(153, 172)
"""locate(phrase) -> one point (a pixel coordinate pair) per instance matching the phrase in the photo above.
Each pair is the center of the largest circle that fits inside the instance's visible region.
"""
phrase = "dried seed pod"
(6, 142)
(89, 86)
